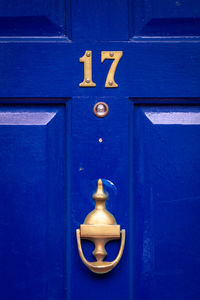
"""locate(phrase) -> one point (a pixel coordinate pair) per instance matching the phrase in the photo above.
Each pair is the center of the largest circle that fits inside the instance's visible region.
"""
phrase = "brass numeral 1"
(87, 60)
(116, 55)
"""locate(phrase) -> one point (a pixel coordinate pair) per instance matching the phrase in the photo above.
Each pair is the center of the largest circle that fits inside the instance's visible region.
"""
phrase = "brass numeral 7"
(87, 60)
(116, 55)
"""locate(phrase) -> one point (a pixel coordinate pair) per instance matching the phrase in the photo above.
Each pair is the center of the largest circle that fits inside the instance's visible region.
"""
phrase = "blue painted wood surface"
(32, 18)
(106, 159)
(32, 176)
(166, 18)
(167, 164)
(147, 69)
(53, 148)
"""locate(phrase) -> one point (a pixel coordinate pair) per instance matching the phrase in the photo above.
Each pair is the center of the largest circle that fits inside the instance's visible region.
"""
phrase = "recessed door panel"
(166, 18)
(32, 206)
(32, 18)
(167, 167)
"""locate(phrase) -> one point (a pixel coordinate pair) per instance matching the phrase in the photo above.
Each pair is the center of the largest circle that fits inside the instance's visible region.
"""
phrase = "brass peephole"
(100, 227)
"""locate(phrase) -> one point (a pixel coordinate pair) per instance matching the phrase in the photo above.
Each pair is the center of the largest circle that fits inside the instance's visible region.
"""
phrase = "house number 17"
(86, 59)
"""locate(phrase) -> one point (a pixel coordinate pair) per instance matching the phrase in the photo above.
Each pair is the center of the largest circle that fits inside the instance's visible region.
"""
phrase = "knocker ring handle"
(100, 267)
(100, 227)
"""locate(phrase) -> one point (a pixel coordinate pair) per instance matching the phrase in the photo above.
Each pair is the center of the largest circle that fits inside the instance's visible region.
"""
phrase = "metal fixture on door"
(101, 109)
(100, 227)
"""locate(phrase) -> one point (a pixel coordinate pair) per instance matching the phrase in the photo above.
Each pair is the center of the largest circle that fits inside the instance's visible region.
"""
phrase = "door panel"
(166, 18)
(32, 206)
(32, 18)
(167, 201)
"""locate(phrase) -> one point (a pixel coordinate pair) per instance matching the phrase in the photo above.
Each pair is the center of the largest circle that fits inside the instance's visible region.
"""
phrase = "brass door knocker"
(100, 227)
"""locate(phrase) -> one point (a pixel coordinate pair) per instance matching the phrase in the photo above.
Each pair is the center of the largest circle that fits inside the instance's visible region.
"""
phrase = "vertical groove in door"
(67, 294)
(131, 202)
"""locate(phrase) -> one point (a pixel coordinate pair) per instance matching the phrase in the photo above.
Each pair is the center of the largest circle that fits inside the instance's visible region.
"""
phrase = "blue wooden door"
(53, 148)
